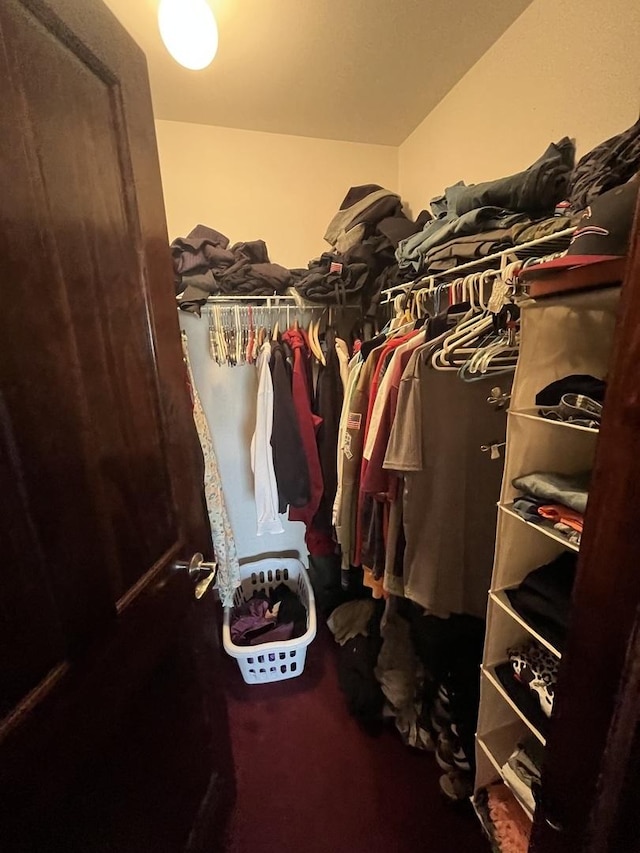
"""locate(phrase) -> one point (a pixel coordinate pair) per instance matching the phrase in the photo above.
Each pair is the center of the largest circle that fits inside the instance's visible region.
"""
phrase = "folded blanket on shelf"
(571, 490)
(464, 249)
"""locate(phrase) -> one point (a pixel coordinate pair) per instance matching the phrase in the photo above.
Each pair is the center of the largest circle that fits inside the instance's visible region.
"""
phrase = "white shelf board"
(484, 746)
(544, 527)
(551, 243)
(501, 599)
(532, 415)
(493, 679)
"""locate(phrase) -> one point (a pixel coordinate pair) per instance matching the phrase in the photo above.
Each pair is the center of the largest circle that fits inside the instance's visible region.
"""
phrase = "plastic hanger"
(314, 342)
(456, 349)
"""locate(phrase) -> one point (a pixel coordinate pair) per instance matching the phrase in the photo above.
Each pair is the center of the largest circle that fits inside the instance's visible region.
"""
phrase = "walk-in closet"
(320, 426)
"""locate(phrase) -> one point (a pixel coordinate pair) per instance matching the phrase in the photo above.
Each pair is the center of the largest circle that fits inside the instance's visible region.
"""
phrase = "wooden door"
(591, 779)
(101, 472)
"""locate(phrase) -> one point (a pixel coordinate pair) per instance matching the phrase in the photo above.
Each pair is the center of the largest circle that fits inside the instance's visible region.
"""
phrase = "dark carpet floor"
(310, 780)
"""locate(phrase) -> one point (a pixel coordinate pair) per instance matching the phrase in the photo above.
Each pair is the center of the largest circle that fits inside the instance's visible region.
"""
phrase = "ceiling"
(357, 70)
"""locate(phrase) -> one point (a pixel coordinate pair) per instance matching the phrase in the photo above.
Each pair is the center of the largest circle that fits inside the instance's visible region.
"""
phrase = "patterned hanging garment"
(223, 541)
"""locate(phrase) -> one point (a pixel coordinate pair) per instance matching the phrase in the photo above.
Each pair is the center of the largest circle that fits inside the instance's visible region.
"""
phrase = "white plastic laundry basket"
(272, 661)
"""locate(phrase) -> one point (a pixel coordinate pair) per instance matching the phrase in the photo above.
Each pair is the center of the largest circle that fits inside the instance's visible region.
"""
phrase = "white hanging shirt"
(264, 477)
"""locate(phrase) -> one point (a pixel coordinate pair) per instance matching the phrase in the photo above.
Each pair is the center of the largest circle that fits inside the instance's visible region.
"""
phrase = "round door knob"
(201, 573)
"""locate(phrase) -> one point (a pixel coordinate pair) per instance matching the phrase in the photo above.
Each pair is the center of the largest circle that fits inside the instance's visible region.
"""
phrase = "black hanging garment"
(328, 405)
(289, 460)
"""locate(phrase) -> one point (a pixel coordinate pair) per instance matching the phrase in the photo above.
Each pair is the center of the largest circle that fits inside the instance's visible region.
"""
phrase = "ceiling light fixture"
(189, 32)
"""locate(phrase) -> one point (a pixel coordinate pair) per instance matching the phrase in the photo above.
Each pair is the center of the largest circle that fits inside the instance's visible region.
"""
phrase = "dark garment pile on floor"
(356, 628)
(363, 236)
(450, 651)
(421, 672)
(204, 265)
(322, 782)
(271, 618)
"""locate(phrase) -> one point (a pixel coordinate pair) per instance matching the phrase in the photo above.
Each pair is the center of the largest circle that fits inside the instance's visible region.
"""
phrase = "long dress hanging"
(228, 579)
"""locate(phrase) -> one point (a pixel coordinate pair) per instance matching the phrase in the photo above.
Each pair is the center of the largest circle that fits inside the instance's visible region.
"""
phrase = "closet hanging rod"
(275, 302)
(266, 301)
(275, 298)
(439, 288)
(454, 272)
(263, 307)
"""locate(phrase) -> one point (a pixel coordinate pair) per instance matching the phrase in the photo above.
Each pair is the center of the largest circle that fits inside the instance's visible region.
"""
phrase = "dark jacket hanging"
(308, 424)
(289, 460)
(329, 394)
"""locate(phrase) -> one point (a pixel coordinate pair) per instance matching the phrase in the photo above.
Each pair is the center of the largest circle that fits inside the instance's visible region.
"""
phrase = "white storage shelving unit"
(559, 336)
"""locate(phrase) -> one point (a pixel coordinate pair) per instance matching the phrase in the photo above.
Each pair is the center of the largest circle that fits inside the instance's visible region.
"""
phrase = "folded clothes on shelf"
(522, 697)
(527, 507)
(514, 200)
(205, 265)
(560, 514)
(546, 227)
(570, 490)
(575, 383)
(565, 520)
(572, 536)
(543, 599)
(522, 791)
(577, 409)
(522, 771)
(536, 667)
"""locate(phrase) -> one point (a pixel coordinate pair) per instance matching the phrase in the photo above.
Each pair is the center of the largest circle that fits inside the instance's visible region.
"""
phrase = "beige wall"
(252, 185)
(565, 67)
(284, 190)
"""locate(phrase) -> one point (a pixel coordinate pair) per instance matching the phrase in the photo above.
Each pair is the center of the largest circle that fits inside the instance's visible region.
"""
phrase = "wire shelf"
(552, 244)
